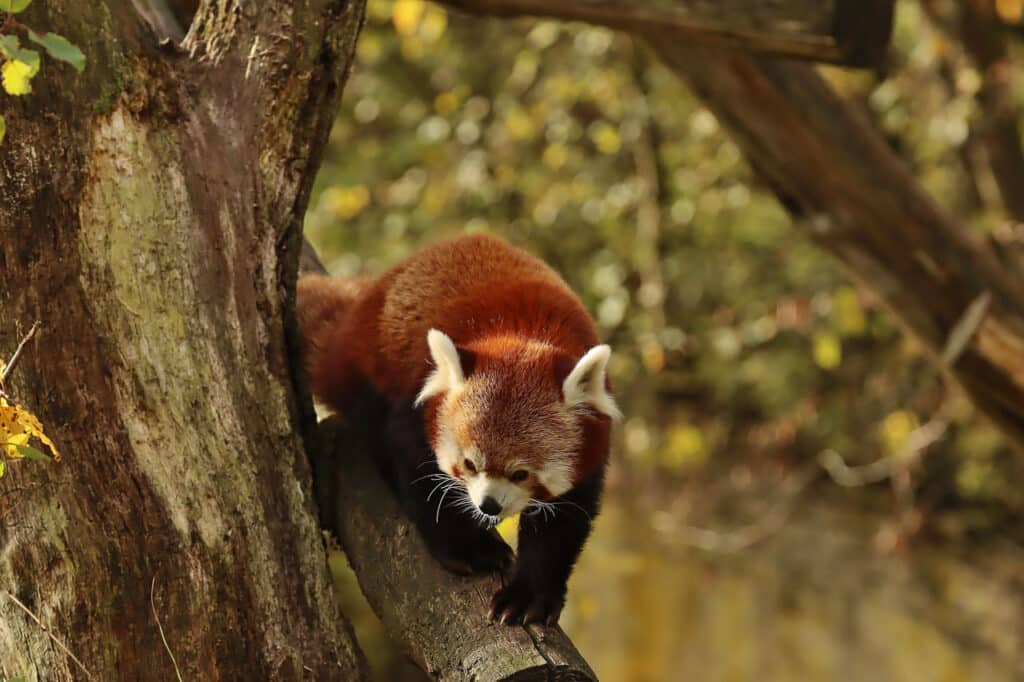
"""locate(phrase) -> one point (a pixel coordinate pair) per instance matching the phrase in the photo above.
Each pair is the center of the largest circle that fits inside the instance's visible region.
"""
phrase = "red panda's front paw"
(521, 603)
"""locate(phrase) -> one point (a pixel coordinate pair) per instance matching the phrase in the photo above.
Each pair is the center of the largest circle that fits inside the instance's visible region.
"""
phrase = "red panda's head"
(516, 420)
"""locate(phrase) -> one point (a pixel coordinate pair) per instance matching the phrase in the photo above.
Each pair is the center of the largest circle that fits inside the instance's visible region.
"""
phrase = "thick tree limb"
(440, 618)
(149, 215)
(856, 198)
(852, 32)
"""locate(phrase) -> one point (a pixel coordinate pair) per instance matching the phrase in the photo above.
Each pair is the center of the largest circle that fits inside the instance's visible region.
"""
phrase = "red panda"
(496, 403)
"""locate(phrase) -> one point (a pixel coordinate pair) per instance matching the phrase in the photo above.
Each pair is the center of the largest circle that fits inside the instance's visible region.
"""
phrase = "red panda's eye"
(469, 466)
(518, 476)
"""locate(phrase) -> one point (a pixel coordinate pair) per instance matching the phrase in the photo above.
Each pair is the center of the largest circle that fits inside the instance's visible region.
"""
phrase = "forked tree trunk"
(150, 214)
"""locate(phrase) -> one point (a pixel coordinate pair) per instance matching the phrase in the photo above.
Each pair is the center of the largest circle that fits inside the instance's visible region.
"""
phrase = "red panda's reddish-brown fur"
(492, 375)
(382, 324)
(479, 290)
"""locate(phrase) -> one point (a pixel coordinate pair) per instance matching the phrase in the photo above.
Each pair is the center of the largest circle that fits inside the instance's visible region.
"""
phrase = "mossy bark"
(150, 213)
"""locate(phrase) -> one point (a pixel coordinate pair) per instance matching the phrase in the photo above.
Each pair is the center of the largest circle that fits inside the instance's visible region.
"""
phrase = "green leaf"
(59, 48)
(13, 6)
(9, 43)
(1, 468)
(3, 131)
(29, 452)
(10, 47)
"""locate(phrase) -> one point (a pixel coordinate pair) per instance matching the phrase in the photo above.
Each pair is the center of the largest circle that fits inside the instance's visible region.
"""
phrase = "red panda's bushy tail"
(321, 303)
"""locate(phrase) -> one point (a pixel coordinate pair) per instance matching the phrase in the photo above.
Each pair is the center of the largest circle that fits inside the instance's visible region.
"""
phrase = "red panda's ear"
(587, 384)
(448, 371)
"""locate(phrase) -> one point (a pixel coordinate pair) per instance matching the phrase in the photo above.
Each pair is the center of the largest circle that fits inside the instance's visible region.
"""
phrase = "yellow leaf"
(446, 103)
(509, 529)
(606, 138)
(555, 156)
(686, 448)
(16, 77)
(519, 125)
(406, 16)
(346, 202)
(1010, 11)
(3, 131)
(828, 352)
(896, 430)
(433, 24)
(848, 314)
(17, 425)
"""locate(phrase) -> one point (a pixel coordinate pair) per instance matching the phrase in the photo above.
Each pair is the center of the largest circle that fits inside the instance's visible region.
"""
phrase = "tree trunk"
(150, 214)
(851, 194)
(440, 618)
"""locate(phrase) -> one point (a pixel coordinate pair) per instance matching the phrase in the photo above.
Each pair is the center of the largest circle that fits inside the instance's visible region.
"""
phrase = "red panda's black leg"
(548, 549)
(458, 542)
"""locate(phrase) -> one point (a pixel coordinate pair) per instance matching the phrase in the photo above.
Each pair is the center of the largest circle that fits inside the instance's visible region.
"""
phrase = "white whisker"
(430, 476)
(441, 485)
(437, 517)
(570, 502)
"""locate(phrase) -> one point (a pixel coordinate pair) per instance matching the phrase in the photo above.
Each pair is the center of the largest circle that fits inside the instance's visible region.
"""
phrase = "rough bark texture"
(852, 32)
(150, 213)
(440, 618)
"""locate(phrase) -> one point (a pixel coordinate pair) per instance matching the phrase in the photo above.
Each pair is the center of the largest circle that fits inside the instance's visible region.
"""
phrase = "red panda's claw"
(518, 604)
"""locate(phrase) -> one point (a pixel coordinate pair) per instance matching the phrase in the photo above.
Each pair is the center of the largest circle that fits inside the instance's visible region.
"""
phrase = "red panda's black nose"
(490, 506)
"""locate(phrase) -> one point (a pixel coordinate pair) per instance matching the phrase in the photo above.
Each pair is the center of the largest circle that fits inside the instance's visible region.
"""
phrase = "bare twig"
(17, 352)
(152, 604)
(965, 328)
(920, 439)
(42, 626)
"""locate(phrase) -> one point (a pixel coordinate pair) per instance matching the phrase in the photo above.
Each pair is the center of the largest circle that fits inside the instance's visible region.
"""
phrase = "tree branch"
(861, 203)
(852, 32)
(440, 618)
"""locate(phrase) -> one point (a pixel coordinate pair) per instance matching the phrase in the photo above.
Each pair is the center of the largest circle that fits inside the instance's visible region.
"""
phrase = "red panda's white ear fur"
(448, 373)
(585, 384)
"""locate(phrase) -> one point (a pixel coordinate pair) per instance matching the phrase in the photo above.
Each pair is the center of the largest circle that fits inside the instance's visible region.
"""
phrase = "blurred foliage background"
(796, 492)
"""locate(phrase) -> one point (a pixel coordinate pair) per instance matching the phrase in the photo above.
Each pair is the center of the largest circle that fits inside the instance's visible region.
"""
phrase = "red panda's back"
(469, 288)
